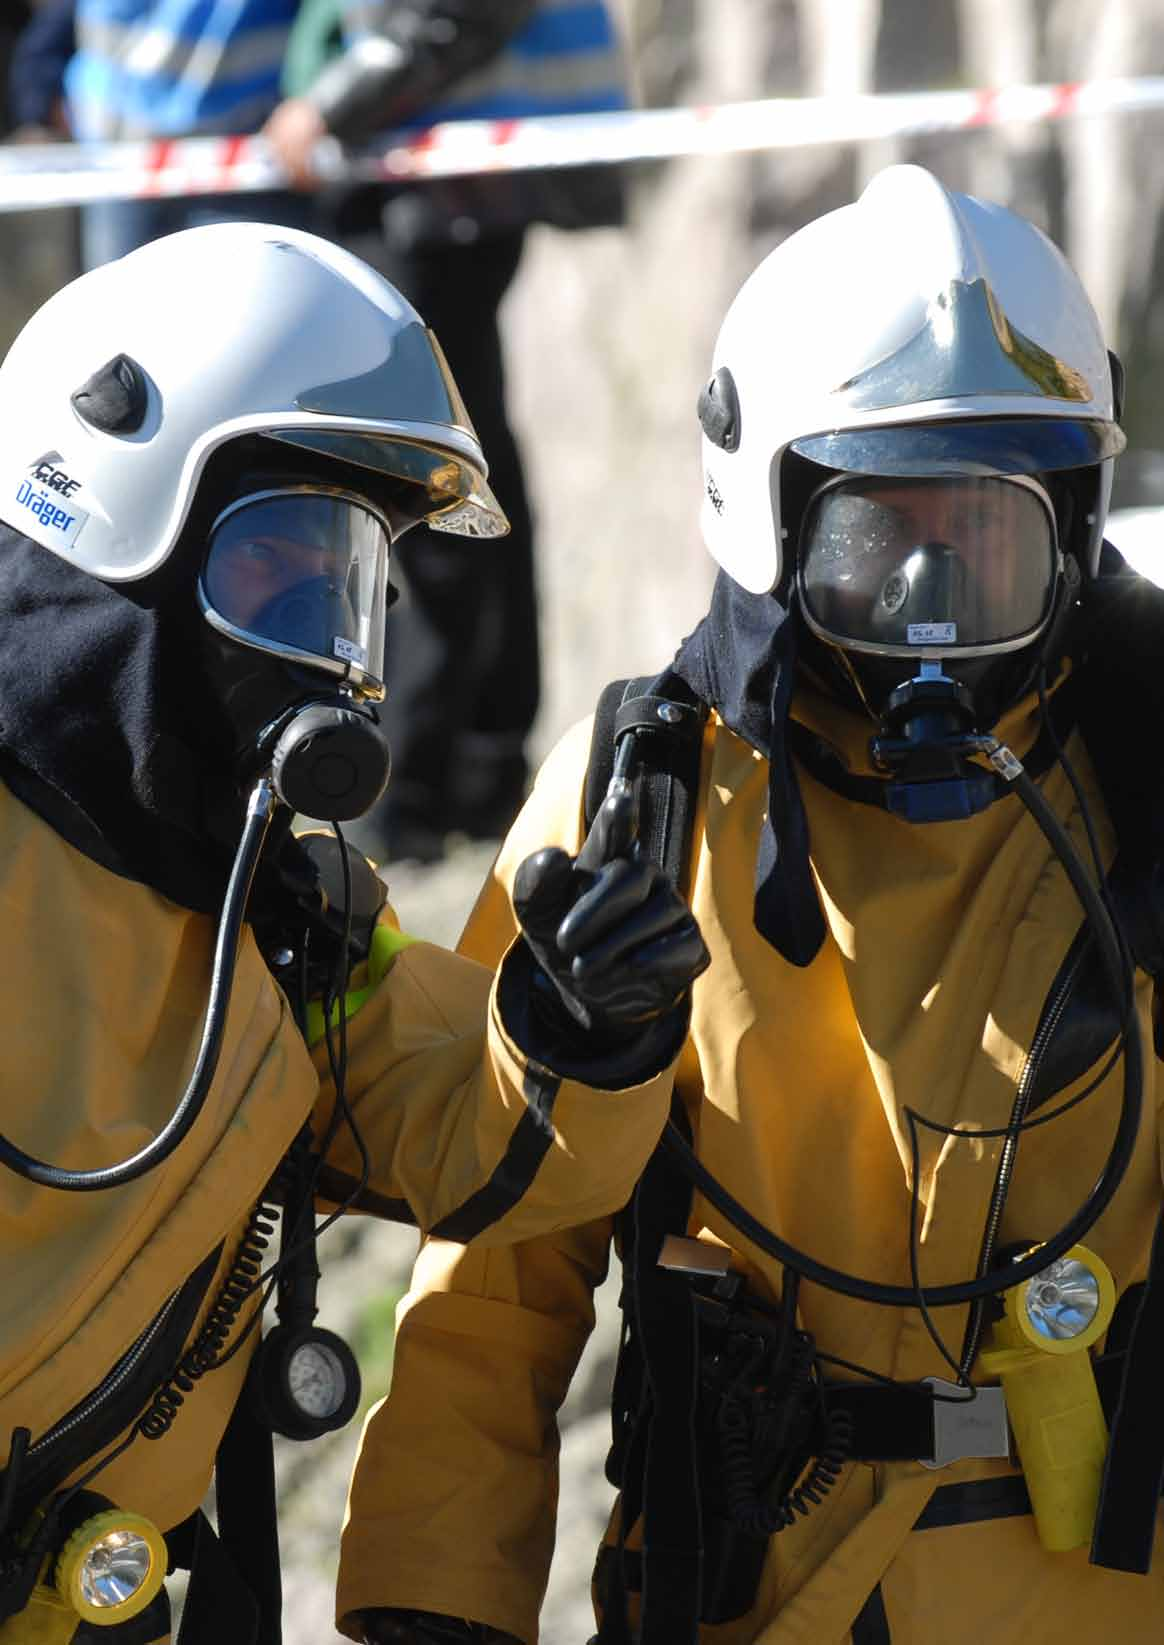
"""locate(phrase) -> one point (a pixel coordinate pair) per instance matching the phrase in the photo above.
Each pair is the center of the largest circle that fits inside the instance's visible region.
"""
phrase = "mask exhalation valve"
(330, 762)
(927, 733)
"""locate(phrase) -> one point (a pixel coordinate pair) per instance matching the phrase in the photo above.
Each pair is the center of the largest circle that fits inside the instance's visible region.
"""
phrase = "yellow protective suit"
(943, 943)
(105, 984)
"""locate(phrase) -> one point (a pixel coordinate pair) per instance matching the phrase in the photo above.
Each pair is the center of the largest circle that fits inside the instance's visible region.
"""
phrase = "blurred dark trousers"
(462, 663)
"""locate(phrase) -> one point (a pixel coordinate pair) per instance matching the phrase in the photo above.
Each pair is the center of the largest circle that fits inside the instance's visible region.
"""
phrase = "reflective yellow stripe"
(387, 942)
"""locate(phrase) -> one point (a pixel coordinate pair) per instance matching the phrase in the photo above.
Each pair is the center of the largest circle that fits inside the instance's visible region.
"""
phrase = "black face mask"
(250, 694)
(908, 588)
(323, 745)
(327, 755)
(932, 716)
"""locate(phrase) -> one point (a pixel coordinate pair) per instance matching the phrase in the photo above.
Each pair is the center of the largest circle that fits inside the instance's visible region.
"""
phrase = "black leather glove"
(616, 946)
(425, 1628)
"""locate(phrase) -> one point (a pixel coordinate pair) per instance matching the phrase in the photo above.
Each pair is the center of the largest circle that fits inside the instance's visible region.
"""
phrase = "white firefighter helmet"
(915, 332)
(120, 387)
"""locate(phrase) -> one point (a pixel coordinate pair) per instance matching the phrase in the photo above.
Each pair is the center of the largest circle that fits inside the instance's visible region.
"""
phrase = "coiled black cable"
(204, 1352)
(735, 1425)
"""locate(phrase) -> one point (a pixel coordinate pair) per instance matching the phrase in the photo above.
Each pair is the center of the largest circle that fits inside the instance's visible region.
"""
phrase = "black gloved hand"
(425, 1628)
(616, 945)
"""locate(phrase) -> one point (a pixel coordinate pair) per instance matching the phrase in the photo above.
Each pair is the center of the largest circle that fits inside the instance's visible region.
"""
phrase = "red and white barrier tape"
(66, 174)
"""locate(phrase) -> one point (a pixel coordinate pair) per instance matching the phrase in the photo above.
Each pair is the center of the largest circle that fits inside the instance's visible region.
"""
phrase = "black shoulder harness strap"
(668, 720)
(654, 1453)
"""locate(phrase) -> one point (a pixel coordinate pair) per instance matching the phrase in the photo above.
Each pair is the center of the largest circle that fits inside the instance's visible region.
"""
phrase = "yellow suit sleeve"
(482, 1142)
(454, 1496)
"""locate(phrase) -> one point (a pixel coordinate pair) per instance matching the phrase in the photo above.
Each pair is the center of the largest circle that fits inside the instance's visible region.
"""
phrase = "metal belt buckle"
(966, 1427)
(694, 1256)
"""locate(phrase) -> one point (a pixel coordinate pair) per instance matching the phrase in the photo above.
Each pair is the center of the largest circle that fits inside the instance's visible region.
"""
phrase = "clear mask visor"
(302, 572)
(963, 564)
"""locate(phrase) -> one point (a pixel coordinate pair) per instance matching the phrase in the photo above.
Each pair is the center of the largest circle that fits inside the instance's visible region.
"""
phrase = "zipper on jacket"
(104, 1413)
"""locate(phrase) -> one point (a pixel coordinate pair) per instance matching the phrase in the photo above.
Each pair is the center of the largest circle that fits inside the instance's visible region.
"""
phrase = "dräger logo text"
(48, 510)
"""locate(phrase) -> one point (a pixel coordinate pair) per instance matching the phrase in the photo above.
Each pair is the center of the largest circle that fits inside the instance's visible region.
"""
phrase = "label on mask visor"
(931, 633)
(349, 650)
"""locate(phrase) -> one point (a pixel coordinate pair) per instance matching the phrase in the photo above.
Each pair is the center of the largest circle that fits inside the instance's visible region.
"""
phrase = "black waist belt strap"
(219, 1605)
(1125, 1524)
(665, 1314)
(235, 1592)
(889, 1424)
(897, 1423)
(248, 1521)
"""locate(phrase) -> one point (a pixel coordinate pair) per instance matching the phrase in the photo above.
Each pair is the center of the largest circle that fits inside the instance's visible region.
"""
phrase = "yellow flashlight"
(1039, 1350)
(109, 1566)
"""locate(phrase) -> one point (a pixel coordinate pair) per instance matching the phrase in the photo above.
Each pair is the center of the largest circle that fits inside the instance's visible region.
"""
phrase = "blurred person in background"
(465, 675)
(150, 70)
(38, 44)
(898, 1263)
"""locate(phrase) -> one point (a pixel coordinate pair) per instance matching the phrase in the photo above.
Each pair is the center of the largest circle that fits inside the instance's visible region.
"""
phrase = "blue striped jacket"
(178, 67)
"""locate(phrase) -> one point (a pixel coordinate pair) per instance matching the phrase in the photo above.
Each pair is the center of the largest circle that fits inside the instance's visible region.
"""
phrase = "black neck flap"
(107, 726)
(741, 659)
(1117, 651)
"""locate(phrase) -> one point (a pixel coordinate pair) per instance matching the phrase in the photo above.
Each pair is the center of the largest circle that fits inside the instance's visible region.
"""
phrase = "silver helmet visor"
(437, 486)
(302, 572)
(961, 564)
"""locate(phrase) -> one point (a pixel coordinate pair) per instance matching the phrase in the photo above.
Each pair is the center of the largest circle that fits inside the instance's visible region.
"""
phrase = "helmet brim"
(998, 445)
(444, 490)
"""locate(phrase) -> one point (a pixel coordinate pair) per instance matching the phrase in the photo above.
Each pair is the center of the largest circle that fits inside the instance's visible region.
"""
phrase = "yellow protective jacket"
(943, 942)
(105, 985)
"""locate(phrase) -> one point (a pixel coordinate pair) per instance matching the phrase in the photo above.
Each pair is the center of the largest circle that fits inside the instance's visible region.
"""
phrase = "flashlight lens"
(114, 1569)
(1062, 1301)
